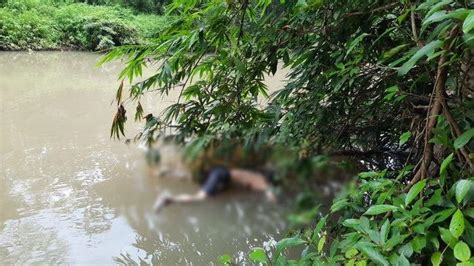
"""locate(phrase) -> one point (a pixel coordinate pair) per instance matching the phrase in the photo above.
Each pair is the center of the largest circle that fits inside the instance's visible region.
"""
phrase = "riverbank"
(34, 25)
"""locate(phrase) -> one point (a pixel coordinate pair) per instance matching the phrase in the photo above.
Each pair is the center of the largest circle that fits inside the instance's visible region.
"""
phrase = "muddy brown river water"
(70, 194)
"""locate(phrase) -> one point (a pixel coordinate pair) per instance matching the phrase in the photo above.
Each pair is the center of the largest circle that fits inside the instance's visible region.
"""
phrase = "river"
(70, 194)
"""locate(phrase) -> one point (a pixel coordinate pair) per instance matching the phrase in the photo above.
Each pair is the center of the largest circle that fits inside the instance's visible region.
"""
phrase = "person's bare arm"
(166, 199)
(186, 198)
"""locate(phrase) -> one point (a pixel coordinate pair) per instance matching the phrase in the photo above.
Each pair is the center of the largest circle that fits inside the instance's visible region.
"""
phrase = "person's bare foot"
(271, 196)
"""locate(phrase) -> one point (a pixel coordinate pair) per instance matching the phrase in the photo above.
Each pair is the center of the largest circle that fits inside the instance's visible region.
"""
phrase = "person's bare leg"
(253, 180)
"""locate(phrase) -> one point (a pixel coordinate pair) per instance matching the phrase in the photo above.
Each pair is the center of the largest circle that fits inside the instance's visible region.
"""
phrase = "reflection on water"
(69, 194)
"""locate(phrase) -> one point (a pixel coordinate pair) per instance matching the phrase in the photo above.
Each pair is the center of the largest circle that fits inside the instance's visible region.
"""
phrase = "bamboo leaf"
(394, 51)
(427, 50)
(118, 96)
(459, 14)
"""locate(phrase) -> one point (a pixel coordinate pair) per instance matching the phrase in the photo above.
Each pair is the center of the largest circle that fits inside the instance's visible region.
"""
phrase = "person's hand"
(161, 201)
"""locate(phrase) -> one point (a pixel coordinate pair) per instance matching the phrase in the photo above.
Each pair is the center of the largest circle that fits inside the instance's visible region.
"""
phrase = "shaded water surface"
(70, 194)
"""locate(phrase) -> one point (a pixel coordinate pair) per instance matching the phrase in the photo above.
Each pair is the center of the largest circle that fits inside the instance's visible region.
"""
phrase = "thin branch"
(382, 8)
(189, 77)
(413, 29)
(456, 133)
(436, 105)
(241, 31)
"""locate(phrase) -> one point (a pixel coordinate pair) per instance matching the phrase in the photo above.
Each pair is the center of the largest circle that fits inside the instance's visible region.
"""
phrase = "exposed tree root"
(435, 109)
(437, 106)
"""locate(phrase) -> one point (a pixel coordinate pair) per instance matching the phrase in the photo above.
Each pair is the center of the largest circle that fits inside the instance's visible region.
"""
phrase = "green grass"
(43, 25)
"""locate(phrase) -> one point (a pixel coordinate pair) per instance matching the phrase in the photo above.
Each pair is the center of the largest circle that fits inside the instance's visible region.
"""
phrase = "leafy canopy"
(386, 83)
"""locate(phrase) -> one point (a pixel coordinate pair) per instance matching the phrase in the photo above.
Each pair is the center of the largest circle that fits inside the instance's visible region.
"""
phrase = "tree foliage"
(388, 83)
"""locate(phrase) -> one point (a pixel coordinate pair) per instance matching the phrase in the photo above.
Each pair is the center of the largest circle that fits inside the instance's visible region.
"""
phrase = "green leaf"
(225, 259)
(414, 191)
(196, 147)
(118, 95)
(436, 258)
(288, 242)
(444, 165)
(392, 52)
(469, 212)
(406, 250)
(404, 138)
(418, 243)
(321, 243)
(469, 39)
(468, 235)
(462, 188)
(355, 42)
(456, 226)
(443, 215)
(391, 92)
(371, 174)
(465, 263)
(258, 255)
(374, 236)
(435, 199)
(468, 24)
(464, 138)
(372, 254)
(350, 222)
(320, 225)
(460, 14)
(402, 261)
(462, 251)
(384, 232)
(447, 237)
(395, 240)
(378, 209)
(438, 7)
(350, 253)
(426, 50)
(338, 205)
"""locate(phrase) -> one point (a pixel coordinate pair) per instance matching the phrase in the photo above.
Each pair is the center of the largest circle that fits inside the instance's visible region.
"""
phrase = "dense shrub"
(146, 6)
(96, 28)
(386, 84)
(30, 24)
(26, 29)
